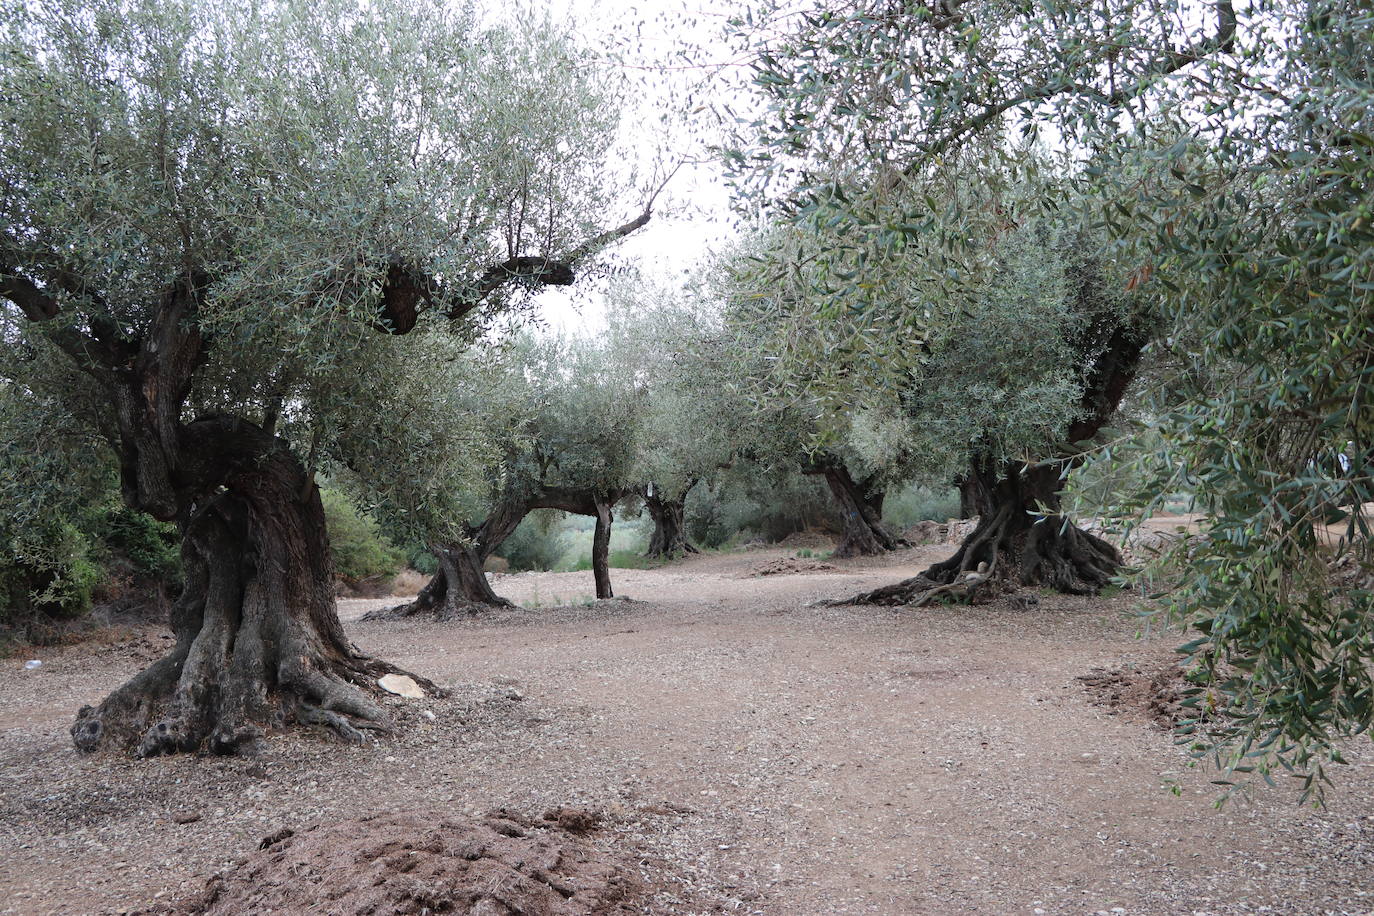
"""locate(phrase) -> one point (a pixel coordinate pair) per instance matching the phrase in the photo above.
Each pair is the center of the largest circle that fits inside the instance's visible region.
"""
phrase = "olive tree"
(562, 416)
(1253, 234)
(702, 366)
(210, 211)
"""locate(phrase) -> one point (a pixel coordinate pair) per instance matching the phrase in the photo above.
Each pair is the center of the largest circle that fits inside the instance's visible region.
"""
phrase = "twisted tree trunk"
(259, 643)
(1021, 537)
(1020, 540)
(669, 539)
(861, 513)
(460, 586)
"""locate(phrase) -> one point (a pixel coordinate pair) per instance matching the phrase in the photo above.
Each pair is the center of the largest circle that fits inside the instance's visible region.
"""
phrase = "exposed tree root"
(459, 588)
(259, 645)
(1007, 550)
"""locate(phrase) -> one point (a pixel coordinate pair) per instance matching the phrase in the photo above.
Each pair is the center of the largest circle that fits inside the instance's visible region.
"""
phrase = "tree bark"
(460, 587)
(669, 539)
(601, 545)
(974, 500)
(861, 514)
(259, 643)
(1022, 540)
(1021, 537)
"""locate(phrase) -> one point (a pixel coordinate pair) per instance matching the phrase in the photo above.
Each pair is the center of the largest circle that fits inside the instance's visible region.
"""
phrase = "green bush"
(45, 583)
(537, 544)
(629, 539)
(136, 543)
(919, 503)
(767, 509)
(360, 551)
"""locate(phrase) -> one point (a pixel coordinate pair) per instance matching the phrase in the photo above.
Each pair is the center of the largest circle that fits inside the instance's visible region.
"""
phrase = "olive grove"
(1222, 151)
(220, 225)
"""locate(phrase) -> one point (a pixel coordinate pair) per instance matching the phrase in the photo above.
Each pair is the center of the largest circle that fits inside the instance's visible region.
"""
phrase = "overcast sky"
(692, 216)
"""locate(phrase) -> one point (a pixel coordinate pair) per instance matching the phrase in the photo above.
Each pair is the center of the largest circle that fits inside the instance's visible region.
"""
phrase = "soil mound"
(421, 862)
(788, 565)
(1154, 694)
(926, 532)
(811, 538)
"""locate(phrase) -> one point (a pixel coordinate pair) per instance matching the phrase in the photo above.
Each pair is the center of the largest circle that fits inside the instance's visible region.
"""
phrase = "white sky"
(691, 216)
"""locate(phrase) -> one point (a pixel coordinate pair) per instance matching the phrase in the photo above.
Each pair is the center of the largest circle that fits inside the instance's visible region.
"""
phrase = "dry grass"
(408, 583)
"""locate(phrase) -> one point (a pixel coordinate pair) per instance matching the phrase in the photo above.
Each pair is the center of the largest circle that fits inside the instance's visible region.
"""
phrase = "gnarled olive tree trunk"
(666, 509)
(460, 585)
(1022, 538)
(259, 643)
(861, 512)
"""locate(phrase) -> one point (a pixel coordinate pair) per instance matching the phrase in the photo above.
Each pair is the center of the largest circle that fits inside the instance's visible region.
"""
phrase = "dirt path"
(768, 756)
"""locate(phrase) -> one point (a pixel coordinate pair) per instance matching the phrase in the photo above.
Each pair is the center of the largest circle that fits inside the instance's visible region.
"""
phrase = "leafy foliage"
(1226, 151)
(537, 544)
(360, 551)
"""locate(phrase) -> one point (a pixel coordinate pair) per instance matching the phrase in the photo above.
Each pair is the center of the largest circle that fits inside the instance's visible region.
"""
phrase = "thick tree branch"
(543, 271)
(407, 288)
(36, 304)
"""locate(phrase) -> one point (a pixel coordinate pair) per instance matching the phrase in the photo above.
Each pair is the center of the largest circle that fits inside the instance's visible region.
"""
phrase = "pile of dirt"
(371, 587)
(420, 862)
(927, 532)
(810, 539)
(1153, 694)
(787, 566)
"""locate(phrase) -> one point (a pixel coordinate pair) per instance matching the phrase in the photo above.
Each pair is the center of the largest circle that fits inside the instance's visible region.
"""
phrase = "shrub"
(920, 503)
(360, 551)
(769, 509)
(137, 544)
(537, 544)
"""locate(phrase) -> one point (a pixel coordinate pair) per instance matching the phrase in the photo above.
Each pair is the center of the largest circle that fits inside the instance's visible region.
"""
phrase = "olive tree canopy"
(1226, 150)
(208, 211)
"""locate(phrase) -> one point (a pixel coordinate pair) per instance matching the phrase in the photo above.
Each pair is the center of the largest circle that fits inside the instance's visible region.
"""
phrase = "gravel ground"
(755, 754)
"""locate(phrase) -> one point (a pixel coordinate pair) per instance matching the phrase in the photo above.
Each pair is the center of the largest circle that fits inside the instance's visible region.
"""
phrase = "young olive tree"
(209, 213)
